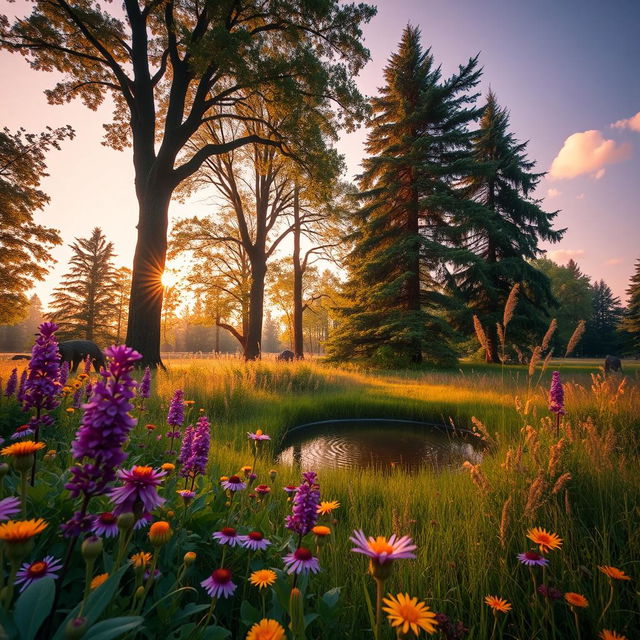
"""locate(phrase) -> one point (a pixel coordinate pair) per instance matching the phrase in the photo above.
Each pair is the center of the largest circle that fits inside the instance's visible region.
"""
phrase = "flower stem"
(606, 608)
(379, 592)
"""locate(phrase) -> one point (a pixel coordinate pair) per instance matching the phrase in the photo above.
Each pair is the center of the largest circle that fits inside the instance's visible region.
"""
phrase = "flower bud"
(126, 521)
(272, 474)
(76, 628)
(189, 558)
(296, 613)
(92, 548)
(139, 592)
(160, 533)
(23, 463)
(4, 469)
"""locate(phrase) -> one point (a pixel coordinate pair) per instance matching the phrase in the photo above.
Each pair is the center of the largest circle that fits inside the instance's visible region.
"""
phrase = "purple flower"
(156, 574)
(186, 450)
(75, 400)
(301, 561)
(139, 486)
(144, 521)
(305, 505)
(87, 364)
(12, 383)
(34, 571)
(227, 535)
(198, 449)
(87, 391)
(234, 483)
(9, 507)
(532, 559)
(218, 584)
(23, 431)
(145, 385)
(186, 495)
(258, 435)
(105, 525)
(290, 489)
(64, 373)
(176, 409)
(550, 592)
(382, 550)
(23, 386)
(255, 541)
(450, 630)
(556, 395)
(105, 427)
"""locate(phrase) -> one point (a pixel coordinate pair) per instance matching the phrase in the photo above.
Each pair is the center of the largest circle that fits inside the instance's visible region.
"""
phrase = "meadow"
(468, 525)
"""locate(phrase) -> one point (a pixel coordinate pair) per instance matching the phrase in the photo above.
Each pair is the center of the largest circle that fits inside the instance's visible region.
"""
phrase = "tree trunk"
(298, 272)
(145, 303)
(413, 266)
(256, 306)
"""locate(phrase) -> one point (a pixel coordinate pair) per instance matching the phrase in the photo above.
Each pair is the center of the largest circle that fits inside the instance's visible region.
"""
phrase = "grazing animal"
(20, 356)
(76, 351)
(286, 356)
(612, 363)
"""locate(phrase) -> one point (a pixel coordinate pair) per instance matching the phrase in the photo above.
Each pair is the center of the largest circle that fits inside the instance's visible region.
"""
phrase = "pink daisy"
(532, 559)
(218, 584)
(258, 435)
(186, 495)
(291, 489)
(255, 541)
(105, 525)
(227, 535)
(301, 561)
(139, 484)
(381, 549)
(262, 489)
(34, 571)
(234, 483)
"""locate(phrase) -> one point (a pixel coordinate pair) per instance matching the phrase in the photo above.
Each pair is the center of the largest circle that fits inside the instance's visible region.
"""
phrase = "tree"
(503, 234)
(601, 337)
(270, 334)
(419, 148)
(631, 321)
(123, 280)
(172, 66)
(25, 246)
(20, 337)
(85, 305)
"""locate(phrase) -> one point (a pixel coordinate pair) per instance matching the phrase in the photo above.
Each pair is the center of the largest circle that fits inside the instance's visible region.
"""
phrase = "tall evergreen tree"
(601, 337)
(504, 235)
(418, 148)
(631, 322)
(85, 305)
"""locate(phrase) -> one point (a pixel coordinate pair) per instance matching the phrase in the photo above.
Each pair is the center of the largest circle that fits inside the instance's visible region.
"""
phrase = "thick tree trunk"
(256, 307)
(145, 303)
(298, 272)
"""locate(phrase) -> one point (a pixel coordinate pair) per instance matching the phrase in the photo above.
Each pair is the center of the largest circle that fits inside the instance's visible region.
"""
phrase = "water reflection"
(381, 444)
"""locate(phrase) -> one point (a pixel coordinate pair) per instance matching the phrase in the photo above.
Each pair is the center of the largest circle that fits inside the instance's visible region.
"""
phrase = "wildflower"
(139, 486)
(545, 540)
(321, 531)
(175, 418)
(143, 521)
(189, 558)
(22, 449)
(12, 383)
(186, 495)
(263, 578)
(613, 573)
(145, 384)
(233, 483)
(497, 604)
(605, 634)
(34, 571)
(160, 533)
(532, 559)
(246, 470)
(408, 614)
(550, 592)
(262, 489)
(140, 560)
(305, 505)
(327, 507)
(219, 584)
(105, 524)
(64, 374)
(556, 395)
(272, 474)
(258, 435)
(8, 507)
(98, 580)
(168, 467)
(227, 535)
(290, 489)
(70, 410)
(450, 630)
(301, 561)
(255, 541)
(150, 427)
(197, 455)
(381, 550)
(185, 449)
(156, 574)
(576, 600)
(266, 630)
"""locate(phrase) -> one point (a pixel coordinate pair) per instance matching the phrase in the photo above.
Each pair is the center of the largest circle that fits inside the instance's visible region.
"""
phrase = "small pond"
(378, 443)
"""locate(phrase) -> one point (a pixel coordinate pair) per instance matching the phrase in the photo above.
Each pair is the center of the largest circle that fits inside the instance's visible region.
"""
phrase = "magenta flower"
(227, 535)
(290, 489)
(156, 574)
(556, 395)
(105, 525)
(186, 449)
(382, 550)
(175, 416)
(550, 592)
(532, 559)
(139, 487)
(12, 383)
(218, 584)
(33, 571)
(305, 505)
(234, 483)
(186, 495)
(255, 541)
(258, 435)
(64, 373)
(23, 386)
(87, 364)
(145, 385)
(143, 521)
(9, 507)
(195, 455)
(301, 561)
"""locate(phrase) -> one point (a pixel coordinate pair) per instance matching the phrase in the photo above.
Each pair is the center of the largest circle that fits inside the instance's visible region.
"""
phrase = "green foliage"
(601, 336)
(631, 321)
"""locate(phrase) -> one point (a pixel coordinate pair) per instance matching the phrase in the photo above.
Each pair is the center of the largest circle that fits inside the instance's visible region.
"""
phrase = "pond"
(378, 443)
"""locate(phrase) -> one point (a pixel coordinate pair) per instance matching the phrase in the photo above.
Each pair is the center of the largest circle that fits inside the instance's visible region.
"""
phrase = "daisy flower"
(9, 507)
(140, 560)
(301, 561)
(613, 573)
(218, 584)
(22, 449)
(576, 600)
(17, 532)
(233, 483)
(407, 613)
(532, 559)
(186, 495)
(605, 634)
(290, 489)
(33, 571)
(545, 540)
(266, 630)
(497, 604)
(263, 578)
(380, 549)
(262, 489)
(227, 535)
(139, 484)
(105, 525)
(321, 531)
(255, 541)
(258, 435)
(23, 431)
(327, 507)
(98, 580)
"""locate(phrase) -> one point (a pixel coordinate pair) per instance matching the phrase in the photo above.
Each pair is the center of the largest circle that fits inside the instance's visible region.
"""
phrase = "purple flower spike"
(305, 505)
(556, 395)
(43, 380)
(185, 450)
(64, 373)
(198, 449)
(12, 384)
(175, 418)
(145, 385)
(23, 386)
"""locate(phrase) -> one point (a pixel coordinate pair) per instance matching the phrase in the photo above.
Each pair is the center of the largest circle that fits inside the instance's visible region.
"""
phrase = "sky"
(565, 69)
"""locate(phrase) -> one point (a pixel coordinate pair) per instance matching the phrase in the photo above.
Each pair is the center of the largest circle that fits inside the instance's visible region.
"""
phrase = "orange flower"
(327, 507)
(140, 560)
(98, 580)
(576, 600)
(167, 466)
(321, 531)
(266, 630)
(160, 533)
(605, 634)
(545, 540)
(21, 449)
(615, 574)
(16, 531)
(497, 604)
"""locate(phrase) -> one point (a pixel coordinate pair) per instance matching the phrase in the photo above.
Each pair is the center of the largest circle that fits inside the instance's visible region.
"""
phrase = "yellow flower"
(224, 478)
(266, 630)
(263, 578)
(70, 410)
(140, 560)
(168, 466)
(327, 507)
(605, 634)
(545, 540)
(82, 376)
(576, 600)
(497, 604)
(98, 580)
(16, 531)
(67, 389)
(407, 613)
(321, 531)
(20, 449)
(615, 574)
(160, 533)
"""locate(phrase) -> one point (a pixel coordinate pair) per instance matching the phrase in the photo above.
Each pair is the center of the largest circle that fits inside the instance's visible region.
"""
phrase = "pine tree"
(418, 147)
(600, 337)
(85, 305)
(631, 322)
(503, 234)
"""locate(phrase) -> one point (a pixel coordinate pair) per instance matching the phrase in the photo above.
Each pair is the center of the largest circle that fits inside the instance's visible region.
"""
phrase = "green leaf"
(33, 606)
(249, 614)
(215, 633)
(309, 618)
(113, 628)
(330, 598)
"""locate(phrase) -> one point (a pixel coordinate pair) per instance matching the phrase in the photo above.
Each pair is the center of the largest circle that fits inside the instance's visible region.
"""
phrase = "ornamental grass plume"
(305, 505)
(12, 383)
(575, 337)
(105, 427)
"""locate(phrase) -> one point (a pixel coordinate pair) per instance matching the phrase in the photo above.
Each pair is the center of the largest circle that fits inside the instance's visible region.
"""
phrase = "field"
(468, 524)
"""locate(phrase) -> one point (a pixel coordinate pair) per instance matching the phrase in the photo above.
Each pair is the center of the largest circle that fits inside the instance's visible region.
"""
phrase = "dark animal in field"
(76, 351)
(286, 356)
(612, 363)
(20, 356)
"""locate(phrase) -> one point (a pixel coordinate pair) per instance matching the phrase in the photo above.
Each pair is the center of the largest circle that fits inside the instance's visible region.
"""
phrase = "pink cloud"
(614, 261)
(564, 255)
(553, 193)
(632, 123)
(580, 196)
(587, 152)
